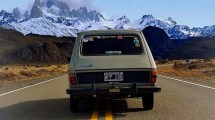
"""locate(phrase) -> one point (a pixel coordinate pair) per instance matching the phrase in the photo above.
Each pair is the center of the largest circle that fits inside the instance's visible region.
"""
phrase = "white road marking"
(31, 85)
(188, 82)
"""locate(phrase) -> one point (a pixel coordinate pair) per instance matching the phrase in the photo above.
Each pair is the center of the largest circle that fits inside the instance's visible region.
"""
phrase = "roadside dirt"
(16, 73)
(201, 70)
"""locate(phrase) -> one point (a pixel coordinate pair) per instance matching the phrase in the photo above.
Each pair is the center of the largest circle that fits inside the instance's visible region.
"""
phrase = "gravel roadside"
(200, 71)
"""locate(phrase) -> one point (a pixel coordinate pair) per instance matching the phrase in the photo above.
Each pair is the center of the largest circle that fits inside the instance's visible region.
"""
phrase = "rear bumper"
(135, 91)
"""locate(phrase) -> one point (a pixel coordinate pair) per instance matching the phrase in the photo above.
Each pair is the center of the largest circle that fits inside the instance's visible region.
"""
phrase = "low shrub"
(27, 73)
(178, 65)
(42, 71)
(7, 75)
(207, 60)
(59, 66)
(162, 61)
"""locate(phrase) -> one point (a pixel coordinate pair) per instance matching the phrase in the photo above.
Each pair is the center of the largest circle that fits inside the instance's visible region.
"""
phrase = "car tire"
(74, 104)
(148, 101)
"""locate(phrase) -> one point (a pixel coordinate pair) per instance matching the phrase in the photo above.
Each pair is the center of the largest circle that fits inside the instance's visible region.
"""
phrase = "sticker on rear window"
(120, 37)
(91, 39)
(137, 45)
(85, 39)
(136, 38)
(98, 37)
(136, 41)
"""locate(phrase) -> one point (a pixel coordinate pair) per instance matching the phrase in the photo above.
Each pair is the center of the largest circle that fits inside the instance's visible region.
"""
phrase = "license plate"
(113, 76)
(114, 90)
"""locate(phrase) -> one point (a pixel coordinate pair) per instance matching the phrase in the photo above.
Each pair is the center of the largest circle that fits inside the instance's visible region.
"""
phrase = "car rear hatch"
(114, 55)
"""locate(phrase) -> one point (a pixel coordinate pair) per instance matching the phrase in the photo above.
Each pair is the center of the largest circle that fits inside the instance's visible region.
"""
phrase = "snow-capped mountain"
(54, 17)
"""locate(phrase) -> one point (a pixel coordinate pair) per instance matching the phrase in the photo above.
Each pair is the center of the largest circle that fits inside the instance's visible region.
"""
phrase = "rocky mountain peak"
(86, 15)
(83, 10)
(148, 17)
(17, 13)
(124, 19)
(2, 12)
(36, 11)
(172, 20)
(121, 22)
(26, 15)
(62, 6)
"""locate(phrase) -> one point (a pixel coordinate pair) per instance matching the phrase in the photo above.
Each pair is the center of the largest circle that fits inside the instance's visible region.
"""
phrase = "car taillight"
(153, 76)
(72, 79)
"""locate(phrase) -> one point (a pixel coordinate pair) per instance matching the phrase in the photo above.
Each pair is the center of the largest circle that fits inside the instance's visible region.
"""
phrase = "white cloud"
(73, 4)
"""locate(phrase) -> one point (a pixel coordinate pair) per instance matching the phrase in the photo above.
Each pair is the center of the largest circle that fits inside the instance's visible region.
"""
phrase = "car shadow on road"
(120, 108)
(52, 109)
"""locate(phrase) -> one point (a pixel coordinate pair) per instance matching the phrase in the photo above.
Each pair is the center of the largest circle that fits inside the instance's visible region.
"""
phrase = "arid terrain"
(201, 70)
(14, 76)
(24, 72)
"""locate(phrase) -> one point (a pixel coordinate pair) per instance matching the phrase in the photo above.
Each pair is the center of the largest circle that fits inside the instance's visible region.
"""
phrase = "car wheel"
(148, 101)
(74, 104)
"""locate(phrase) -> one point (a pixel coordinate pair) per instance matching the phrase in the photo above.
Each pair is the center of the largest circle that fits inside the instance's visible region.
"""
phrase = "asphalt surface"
(48, 101)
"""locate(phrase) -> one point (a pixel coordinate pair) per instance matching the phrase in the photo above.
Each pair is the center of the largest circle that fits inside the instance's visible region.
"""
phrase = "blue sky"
(194, 13)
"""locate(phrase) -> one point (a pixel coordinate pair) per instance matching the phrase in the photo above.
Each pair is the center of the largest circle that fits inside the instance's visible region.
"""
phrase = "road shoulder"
(8, 86)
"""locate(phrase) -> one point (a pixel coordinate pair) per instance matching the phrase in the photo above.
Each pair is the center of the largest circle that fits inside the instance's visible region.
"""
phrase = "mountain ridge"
(57, 19)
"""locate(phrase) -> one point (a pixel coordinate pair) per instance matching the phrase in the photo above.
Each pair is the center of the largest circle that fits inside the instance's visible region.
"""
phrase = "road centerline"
(108, 115)
(95, 112)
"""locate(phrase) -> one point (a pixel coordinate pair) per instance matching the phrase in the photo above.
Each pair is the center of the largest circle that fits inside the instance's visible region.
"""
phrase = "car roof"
(128, 31)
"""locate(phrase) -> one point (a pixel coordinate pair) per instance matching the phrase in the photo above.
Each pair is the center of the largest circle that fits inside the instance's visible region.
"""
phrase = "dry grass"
(7, 75)
(200, 70)
(27, 72)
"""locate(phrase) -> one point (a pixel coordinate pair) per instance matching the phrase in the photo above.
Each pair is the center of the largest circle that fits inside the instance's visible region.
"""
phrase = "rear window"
(111, 45)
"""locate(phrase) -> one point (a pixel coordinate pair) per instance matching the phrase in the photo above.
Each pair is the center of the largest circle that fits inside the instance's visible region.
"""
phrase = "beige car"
(112, 63)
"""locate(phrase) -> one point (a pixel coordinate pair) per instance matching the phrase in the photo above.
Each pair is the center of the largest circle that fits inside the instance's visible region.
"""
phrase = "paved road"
(48, 101)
